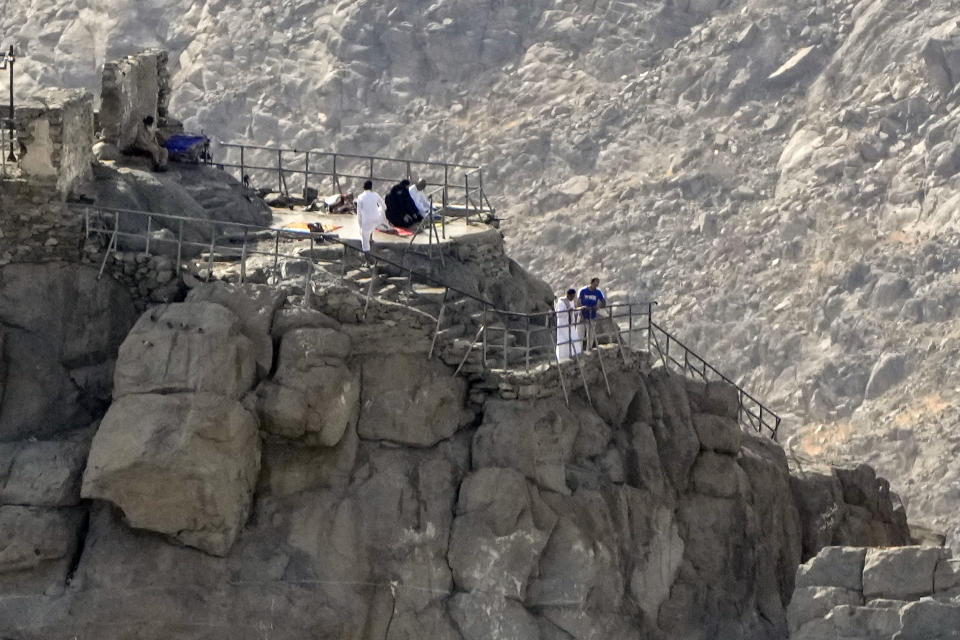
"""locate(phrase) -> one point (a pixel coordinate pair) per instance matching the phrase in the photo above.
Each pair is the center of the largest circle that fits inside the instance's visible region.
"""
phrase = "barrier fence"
(506, 340)
(458, 187)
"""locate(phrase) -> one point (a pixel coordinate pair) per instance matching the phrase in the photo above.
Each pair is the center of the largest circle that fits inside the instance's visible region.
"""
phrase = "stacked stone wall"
(55, 132)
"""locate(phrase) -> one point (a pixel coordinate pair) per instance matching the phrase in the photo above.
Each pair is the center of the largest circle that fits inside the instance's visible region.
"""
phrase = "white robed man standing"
(568, 339)
(371, 213)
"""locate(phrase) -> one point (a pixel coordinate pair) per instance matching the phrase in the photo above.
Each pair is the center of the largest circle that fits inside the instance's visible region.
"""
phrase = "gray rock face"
(929, 620)
(38, 548)
(254, 306)
(192, 191)
(44, 473)
(536, 439)
(196, 346)
(903, 573)
(314, 394)
(500, 529)
(891, 578)
(61, 328)
(183, 464)
(889, 370)
(812, 603)
(840, 567)
(418, 410)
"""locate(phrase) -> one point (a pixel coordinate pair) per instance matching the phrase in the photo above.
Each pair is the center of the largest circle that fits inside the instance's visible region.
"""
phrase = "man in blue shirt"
(590, 299)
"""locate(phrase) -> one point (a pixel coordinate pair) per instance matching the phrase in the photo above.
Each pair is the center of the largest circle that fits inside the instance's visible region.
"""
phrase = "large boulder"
(535, 438)
(812, 603)
(182, 464)
(929, 620)
(901, 573)
(500, 529)
(314, 395)
(409, 400)
(186, 346)
(840, 567)
(201, 193)
(255, 306)
(60, 329)
(677, 441)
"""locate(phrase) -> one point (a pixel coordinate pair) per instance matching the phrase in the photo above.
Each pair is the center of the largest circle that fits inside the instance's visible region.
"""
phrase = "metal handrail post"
(280, 171)
(243, 258)
(179, 246)
(276, 258)
(371, 168)
(484, 324)
(110, 245)
(306, 173)
(308, 282)
(146, 248)
(505, 339)
(213, 247)
(526, 365)
(336, 181)
(243, 169)
(466, 195)
(436, 331)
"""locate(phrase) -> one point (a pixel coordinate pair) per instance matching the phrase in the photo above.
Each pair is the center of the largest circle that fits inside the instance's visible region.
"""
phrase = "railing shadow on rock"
(458, 187)
(513, 340)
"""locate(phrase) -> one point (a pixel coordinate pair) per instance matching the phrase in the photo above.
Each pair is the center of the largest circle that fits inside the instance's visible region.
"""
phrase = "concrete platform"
(457, 229)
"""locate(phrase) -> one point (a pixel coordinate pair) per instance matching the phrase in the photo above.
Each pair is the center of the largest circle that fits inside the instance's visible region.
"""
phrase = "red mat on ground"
(397, 231)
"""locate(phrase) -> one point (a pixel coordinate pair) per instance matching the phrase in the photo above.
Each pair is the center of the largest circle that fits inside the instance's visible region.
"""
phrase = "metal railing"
(459, 187)
(510, 339)
(8, 146)
(751, 412)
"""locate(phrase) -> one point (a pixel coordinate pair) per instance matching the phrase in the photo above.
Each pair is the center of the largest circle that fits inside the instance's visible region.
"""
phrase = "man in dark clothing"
(401, 209)
(590, 299)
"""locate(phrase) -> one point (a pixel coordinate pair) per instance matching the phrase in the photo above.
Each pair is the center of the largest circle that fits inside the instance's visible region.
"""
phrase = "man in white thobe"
(371, 213)
(419, 199)
(568, 340)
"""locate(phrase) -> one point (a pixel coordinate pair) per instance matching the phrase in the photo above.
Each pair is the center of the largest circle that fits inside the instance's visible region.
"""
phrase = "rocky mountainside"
(781, 176)
(269, 469)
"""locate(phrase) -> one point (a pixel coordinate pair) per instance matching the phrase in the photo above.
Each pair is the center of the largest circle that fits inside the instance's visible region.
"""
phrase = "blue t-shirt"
(589, 301)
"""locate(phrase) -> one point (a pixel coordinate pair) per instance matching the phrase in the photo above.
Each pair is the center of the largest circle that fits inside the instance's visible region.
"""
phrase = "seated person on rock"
(146, 142)
(401, 209)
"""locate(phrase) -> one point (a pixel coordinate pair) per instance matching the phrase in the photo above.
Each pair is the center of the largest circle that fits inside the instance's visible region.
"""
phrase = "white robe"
(371, 213)
(568, 339)
(423, 205)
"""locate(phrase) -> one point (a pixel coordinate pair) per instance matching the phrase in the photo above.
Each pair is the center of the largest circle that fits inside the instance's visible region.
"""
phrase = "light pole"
(7, 63)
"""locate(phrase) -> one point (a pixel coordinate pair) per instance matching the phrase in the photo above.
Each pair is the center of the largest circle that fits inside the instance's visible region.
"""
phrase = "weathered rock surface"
(182, 347)
(314, 394)
(42, 473)
(899, 597)
(418, 410)
(254, 306)
(182, 464)
(61, 328)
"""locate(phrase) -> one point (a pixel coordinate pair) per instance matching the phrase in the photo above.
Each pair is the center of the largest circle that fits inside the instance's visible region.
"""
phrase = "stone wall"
(132, 88)
(35, 226)
(55, 130)
(904, 593)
